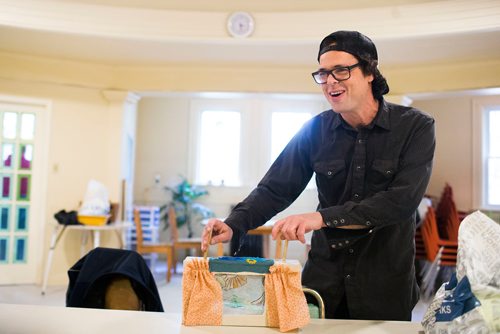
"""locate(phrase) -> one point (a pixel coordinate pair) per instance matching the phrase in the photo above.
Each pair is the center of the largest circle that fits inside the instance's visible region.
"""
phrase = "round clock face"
(240, 24)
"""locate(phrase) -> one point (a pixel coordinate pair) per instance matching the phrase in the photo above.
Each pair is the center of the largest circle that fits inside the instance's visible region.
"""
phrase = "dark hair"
(379, 83)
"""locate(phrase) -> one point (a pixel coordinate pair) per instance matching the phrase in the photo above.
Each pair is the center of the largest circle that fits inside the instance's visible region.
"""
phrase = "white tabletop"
(112, 226)
(36, 319)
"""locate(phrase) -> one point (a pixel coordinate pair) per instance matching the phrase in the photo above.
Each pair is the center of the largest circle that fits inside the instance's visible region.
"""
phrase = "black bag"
(67, 218)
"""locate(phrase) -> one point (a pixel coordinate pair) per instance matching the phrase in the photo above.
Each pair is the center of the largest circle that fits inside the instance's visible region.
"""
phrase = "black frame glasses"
(339, 73)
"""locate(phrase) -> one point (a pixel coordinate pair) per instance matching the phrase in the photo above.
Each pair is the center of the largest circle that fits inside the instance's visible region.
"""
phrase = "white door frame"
(38, 202)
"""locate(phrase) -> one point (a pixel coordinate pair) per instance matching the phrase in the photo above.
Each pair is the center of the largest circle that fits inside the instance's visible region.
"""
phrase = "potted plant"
(187, 210)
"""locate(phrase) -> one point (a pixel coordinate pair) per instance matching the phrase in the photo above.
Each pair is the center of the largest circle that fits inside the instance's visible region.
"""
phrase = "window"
(492, 149)
(284, 126)
(219, 149)
(486, 173)
(237, 137)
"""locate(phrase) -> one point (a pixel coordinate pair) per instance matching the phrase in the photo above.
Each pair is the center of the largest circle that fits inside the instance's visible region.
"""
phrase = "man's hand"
(294, 227)
(220, 233)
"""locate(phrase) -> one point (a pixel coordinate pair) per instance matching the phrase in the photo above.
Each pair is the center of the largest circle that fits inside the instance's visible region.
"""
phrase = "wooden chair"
(447, 215)
(163, 248)
(439, 252)
(113, 212)
(180, 243)
(433, 242)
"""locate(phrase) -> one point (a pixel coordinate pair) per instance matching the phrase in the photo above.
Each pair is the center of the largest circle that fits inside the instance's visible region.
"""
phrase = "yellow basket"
(93, 220)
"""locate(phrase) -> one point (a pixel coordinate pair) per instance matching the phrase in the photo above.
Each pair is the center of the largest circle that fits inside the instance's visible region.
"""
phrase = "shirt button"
(330, 172)
(360, 141)
(333, 246)
(368, 223)
(340, 244)
(388, 172)
(358, 167)
(342, 221)
(356, 196)
(335, 222)
(347, 242)
(347, 276)
(351, 251)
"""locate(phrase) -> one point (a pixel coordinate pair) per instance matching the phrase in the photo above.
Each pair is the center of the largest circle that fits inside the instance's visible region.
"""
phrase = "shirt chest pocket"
(330, 174)
(381, 174)
(329, 169)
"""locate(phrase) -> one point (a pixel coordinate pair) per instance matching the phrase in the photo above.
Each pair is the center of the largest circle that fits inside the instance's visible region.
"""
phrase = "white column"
(122, 113)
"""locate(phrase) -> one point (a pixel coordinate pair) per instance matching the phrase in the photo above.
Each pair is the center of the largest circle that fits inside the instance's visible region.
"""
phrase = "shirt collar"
(380, 120)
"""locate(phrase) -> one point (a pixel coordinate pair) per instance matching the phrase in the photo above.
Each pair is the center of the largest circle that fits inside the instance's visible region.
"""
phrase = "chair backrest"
(172, 220)
(138, 229)
(430, 234)
(92, 275)
(447, 217)
(120, 295)
(433, 242)
(113, 211)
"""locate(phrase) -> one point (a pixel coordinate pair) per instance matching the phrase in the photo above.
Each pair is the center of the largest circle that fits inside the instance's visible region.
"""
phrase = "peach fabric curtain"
(201, 295)
(285, 300)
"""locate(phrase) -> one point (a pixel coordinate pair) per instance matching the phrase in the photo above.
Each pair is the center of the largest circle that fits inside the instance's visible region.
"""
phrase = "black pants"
(339, 312)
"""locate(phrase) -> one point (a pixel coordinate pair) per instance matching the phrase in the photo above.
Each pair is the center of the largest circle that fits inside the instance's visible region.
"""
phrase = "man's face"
(348, 96)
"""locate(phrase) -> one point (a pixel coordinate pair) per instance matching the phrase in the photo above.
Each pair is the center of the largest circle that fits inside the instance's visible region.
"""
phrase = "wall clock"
(240, 24)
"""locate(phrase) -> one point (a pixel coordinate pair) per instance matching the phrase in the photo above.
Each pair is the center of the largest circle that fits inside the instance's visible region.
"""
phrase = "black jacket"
(89, 277)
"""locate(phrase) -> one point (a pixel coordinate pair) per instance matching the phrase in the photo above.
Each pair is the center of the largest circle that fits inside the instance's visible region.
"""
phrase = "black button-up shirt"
(373, 176)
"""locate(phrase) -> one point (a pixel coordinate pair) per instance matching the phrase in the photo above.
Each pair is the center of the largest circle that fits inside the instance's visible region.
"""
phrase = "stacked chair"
(439, 252)
(447, 215)
(436, 241)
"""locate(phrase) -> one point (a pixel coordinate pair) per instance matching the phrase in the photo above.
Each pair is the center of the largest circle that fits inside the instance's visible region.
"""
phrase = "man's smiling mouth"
(336, 93)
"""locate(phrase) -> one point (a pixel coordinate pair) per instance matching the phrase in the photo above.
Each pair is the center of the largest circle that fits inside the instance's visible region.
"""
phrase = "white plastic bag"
(478, 263)
(96, 200)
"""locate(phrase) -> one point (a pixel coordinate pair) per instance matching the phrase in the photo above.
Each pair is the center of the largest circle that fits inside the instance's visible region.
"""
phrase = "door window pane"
(26, 156)
(27, 126)
(22, 219)
(219, 153)
(10, 125)
(3, 250)
(20, 249)
(6, 185)
(7, 155)
(24, 184)
(4, 218)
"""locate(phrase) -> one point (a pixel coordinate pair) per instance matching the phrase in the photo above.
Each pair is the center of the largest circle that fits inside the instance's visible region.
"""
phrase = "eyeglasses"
(339, 73)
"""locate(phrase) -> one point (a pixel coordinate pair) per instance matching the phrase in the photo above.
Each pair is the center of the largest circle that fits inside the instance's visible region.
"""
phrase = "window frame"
(481, 108)
(198, 106)
(256, 113)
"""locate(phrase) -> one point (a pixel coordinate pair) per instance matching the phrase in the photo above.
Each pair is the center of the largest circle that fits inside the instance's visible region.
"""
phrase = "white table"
(93, 230)
(36, 319)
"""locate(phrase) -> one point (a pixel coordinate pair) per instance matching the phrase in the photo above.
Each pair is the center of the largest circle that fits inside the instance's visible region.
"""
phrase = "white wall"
(453, 157)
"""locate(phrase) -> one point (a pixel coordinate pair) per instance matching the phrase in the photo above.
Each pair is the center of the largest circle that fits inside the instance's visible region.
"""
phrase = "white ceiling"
(90, 30)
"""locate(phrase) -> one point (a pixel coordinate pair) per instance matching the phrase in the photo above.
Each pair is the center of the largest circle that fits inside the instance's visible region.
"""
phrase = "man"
(373, 161)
